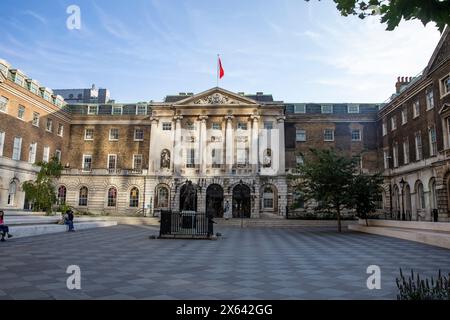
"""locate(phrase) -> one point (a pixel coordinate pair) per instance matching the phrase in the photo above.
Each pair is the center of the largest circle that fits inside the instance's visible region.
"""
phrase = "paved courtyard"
(256, 263)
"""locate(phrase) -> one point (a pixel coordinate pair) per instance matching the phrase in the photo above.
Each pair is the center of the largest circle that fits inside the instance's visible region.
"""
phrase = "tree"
(365, 193)
(393, 11)
(42, 191)
(327, 178)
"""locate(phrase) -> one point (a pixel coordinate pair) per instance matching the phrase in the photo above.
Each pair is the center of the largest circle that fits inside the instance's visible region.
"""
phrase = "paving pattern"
(255, 263)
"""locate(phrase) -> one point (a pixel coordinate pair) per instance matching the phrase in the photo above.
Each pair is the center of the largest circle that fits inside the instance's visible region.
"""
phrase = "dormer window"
(327, 108)
(19, 79)
(47, 96)
(92, 110)
(117, 110)
(353, 108)
(141, 109)
(300, 108)
(3, 69)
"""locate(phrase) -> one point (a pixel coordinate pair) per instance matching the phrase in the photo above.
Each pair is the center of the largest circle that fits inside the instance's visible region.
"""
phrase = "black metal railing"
(186, 224)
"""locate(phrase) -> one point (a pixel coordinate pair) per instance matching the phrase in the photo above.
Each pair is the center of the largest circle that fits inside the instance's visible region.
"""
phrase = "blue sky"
(145, 49)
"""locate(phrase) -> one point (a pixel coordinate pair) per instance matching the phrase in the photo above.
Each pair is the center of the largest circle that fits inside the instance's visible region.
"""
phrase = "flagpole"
(217, 71)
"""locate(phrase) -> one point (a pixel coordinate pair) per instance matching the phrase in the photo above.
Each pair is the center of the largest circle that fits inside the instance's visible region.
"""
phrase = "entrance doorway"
(241, 201)
(214, 201)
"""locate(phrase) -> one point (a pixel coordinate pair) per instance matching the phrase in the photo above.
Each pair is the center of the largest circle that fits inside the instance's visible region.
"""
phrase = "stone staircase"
(26, 224)
(431, 233)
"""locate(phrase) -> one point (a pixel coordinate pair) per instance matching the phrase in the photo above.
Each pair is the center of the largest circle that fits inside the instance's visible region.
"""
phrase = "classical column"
(280, 151)
(177, 149)
(254, 156)
(229, 146)
(203, 143)
(153, 137)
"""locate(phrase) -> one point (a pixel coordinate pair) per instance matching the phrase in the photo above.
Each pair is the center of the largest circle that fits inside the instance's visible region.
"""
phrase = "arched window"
(112, 197)
(12, 192)
(62, 191)
(134, 197)
(268, 198)
(83, 199)
(433, 194)
(162, 197)
(420, 196)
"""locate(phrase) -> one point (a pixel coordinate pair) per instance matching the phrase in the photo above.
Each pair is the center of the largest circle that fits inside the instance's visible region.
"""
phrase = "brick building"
(138, 158)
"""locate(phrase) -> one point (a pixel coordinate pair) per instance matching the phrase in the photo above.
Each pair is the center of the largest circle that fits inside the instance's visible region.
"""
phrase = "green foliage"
(42, 191)
(327, 178)
(365, 193)
(393, 11)
(415, 288)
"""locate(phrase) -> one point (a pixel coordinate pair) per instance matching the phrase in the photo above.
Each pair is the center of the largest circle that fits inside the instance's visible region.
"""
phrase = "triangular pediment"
(445, 108)
(216, 96)
(441, 52)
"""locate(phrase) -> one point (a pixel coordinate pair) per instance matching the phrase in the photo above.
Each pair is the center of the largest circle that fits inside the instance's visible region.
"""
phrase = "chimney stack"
(401, 82)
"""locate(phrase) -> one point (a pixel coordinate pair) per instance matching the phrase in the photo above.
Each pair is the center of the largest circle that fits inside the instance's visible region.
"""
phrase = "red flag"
(221, 72)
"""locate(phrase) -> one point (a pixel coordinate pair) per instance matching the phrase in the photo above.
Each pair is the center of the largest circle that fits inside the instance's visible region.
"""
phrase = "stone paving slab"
(121, 262)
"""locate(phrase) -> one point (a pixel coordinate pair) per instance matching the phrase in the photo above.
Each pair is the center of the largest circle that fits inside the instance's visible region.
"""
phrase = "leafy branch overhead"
(393, 11)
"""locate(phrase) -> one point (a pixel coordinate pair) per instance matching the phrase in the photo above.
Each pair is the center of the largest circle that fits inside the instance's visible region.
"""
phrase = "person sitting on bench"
(3, 227)
(68, 219)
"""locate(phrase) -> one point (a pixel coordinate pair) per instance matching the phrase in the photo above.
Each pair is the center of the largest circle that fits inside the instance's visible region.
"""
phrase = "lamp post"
(402, 185)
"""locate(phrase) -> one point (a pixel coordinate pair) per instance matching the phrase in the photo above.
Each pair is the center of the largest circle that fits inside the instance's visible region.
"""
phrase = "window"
(242, 126)
(241, 156)
(87, 162)
(12, 193)
(190, 158)
(3, 104)
(3, 69)
(112, 197)
(300, 135)
(34, 88)
(421, 196)
(141, 110)
(2, 142)
(445, 85)
(216, 126)
(353, 108)
(138, 134)
(300, 108)
(268, 197)
(167, 126)
(117, 110)
(134, 197)
(356, 135)
(46, 154)
(89, 134)
(62, 191)
(268, 125)
(430, 98)
(49, 125)
(162, 197)
(35, 120)
(327, 108)
(216, 156)
(92, 110)
(47, 96)
(21, 112)
(393, 123)
(328, 135)
(58, 154)
(17, 148)
(433, 143)
(137, 162)
(60, 129)
(112, 162)
(19, 79)
(83, 197)
(384, 127)
(395, 154)
(299, 160)
(406, 151)
(418, 142)
(416, 109)
(404, 115)
(386, 159)
(114, 134)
